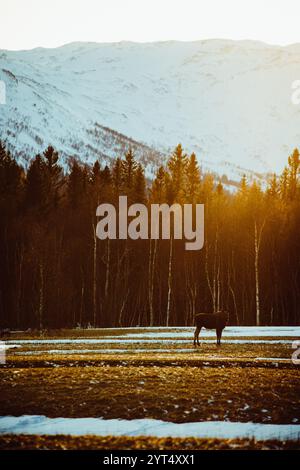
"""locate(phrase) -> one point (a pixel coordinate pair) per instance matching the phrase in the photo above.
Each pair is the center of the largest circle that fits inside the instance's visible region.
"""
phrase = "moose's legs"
(219, 335)
(196, 335)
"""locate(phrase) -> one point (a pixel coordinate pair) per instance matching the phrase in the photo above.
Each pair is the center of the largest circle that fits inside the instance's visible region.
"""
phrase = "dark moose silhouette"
(216, 321)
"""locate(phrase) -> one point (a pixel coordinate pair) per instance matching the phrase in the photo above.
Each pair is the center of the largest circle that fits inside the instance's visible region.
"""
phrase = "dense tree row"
(56, 273)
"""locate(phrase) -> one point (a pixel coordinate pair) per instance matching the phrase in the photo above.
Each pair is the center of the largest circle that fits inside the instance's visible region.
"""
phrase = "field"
(151, 388)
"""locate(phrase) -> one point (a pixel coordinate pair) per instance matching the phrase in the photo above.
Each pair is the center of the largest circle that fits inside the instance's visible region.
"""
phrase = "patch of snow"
(262, 331)
(41, 425)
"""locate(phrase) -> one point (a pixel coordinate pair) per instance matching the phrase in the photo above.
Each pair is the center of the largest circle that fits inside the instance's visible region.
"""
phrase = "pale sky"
(25, 24)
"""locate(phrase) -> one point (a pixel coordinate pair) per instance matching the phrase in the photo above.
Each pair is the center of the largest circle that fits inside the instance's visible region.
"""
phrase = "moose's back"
(211, 320)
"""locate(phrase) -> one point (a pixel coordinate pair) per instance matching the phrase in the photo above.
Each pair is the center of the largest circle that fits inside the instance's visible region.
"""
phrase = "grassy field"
(165, 378)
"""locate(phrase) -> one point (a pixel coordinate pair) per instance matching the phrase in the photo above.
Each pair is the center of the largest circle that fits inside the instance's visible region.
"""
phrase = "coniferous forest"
(56, 273)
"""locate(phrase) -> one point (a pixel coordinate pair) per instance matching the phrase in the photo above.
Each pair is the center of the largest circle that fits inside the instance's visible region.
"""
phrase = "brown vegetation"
(172, 392)
(24, 442)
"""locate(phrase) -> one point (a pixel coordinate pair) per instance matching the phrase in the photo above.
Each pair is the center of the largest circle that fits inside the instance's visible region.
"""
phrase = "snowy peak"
(228, 101)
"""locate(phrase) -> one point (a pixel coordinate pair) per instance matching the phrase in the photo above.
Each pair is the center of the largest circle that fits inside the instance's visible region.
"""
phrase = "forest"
(56, 273)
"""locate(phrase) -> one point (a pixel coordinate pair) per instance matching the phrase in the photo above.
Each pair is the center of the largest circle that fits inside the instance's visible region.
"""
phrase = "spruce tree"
(129, 168)
(177, 168)
(117, 177)
(294, 167)
(192, 179)
(158, 189)
(53, 177)
(139, 192)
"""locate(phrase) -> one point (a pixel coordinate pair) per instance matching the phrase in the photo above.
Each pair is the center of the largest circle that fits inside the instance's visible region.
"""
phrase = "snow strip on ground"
(40, 425)
(249, 330)
(262, 331)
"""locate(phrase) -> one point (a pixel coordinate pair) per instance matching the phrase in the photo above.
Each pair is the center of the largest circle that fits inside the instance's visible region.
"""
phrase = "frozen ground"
(121, 384)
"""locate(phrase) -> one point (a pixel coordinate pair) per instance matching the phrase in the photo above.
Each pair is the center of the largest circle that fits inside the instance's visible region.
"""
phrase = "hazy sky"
(26, 24)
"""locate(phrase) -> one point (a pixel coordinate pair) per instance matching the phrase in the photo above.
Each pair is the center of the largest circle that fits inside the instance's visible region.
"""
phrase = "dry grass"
(179, 394)
(24, 442)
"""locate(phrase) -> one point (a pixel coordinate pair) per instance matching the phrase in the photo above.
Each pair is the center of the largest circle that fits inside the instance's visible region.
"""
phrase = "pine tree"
(177, 168)
(10, 181)
(95, 183)
(192, 179)
(158, 189)
(96, 172)
(284, 182)
(117, 177)
(35, 183)
(273, 187)
(139, 192)
(294, 167)
(77, 184)
(106, 184)
(206, 188)
(129, 168)
(219, 189)
(106, 176)
(10, 173)
(53, 177)
(243, 185)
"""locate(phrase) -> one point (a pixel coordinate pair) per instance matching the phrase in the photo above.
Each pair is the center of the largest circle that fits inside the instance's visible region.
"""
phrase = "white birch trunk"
(169, 282)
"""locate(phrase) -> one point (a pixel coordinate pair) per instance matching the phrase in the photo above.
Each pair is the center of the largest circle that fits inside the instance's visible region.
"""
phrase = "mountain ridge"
(228, 101)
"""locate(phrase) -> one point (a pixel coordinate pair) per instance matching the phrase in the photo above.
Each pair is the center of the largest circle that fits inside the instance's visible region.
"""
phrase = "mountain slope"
(230, 102)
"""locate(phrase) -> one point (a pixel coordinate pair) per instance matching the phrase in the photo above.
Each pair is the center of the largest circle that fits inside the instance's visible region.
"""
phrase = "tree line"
(55, 272)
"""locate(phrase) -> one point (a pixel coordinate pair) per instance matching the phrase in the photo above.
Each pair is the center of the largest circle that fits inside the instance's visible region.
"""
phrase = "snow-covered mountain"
(228, 101)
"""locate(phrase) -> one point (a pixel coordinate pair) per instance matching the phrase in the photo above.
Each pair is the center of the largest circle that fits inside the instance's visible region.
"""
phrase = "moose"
(216, 321)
